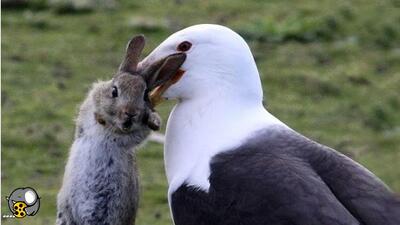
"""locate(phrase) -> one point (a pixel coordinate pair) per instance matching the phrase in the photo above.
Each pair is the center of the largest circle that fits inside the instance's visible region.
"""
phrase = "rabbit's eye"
(184, 46)
(114, 92)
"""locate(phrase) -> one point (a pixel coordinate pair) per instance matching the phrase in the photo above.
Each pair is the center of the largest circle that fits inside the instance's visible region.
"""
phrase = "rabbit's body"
(101, 182)
(100, 185)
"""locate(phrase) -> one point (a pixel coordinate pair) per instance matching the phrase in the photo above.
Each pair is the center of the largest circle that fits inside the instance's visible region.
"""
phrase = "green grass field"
(330, 70)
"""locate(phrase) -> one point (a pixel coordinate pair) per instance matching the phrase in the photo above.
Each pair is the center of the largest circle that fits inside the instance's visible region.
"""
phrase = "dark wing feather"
(283, 178)
(273, 187)
(360, 191)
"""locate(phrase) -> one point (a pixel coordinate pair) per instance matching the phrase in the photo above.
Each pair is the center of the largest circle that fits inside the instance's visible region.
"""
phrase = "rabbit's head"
(123, 103)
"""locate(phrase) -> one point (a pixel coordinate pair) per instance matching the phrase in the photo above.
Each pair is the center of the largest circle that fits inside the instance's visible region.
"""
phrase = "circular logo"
(24, 202)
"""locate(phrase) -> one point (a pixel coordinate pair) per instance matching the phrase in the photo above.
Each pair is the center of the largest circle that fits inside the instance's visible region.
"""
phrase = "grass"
(330, 70)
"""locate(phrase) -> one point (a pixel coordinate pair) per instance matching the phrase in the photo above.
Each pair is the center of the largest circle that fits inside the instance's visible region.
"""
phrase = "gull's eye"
(114, 92)
(184, 46)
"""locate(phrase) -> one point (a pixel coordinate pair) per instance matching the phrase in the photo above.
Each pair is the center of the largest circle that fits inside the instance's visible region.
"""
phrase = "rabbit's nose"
(130, 115)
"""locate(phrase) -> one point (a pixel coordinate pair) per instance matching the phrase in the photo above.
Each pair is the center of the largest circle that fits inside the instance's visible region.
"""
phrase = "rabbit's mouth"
(126, 126)
(155, 95)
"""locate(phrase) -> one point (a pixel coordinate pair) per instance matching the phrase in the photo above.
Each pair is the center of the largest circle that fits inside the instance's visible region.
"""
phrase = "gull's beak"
(161, 74)
(156, 94)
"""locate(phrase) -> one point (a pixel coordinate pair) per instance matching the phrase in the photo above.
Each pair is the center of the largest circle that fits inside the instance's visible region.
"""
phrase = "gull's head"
(218, 64)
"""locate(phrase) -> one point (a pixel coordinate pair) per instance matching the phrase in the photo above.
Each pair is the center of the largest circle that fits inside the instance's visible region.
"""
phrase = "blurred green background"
(330, 69)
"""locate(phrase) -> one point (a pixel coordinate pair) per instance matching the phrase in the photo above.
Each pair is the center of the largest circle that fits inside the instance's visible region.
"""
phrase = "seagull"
(228, 161)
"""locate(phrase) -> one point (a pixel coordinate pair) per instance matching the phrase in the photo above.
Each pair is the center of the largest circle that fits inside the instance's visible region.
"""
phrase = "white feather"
(198, 130)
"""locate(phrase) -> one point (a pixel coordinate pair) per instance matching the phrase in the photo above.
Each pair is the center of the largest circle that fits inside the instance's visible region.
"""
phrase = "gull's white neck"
(199, 129)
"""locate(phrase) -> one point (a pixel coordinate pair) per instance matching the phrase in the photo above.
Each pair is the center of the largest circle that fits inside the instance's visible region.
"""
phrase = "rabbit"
(100, 185)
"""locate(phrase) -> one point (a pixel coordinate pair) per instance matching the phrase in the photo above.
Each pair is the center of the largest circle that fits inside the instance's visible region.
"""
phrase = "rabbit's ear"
(163, 70)
(133, 51)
